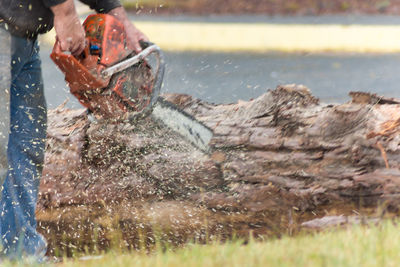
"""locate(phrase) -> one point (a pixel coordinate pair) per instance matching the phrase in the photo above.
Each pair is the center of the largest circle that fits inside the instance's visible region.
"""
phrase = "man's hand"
(133, 34)
(68, 28)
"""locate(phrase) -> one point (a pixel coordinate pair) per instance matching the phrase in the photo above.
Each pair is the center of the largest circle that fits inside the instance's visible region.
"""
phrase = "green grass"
(354, 246)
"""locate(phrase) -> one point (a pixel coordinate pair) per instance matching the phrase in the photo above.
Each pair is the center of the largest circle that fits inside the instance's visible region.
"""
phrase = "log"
(275, 162)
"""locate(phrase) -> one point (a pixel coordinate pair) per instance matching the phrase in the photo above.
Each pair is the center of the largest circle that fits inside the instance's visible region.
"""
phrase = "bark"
(276, 161)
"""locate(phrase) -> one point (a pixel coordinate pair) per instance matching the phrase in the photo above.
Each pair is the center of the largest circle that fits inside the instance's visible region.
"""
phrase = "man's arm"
(68, 27)
(71, 35)
(134, 35)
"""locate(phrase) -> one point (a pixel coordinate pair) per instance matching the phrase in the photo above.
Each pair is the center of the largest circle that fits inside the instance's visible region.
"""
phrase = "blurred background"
(225, 50)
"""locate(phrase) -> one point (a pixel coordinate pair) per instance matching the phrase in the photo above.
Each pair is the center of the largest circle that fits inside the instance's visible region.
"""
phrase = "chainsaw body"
(108, 78)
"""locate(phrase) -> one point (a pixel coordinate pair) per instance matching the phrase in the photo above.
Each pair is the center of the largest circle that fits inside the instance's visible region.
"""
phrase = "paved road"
(225, 78)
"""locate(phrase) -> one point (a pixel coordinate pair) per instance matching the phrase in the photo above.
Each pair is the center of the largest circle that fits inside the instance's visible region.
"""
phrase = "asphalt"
(361, 34)
(226, 77)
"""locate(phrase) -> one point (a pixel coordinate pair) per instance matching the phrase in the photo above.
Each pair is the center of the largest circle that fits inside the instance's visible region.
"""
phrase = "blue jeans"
(25, 153)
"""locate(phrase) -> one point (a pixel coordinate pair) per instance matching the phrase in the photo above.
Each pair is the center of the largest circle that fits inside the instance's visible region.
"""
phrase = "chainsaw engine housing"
(131, 89)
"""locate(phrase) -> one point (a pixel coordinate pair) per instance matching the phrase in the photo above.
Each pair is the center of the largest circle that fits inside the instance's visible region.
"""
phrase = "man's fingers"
(137, 47)
(136, 42)
(143, 37)
(68, 28)
(64, 45)
(78, 49)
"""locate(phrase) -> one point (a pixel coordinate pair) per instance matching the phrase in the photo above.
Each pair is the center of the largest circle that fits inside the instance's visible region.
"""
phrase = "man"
(23, 107)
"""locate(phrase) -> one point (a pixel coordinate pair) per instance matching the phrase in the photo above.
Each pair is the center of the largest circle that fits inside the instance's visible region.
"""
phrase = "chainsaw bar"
(183, 123)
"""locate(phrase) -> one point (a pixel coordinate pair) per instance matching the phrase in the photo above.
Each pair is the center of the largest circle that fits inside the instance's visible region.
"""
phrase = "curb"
(258, 38)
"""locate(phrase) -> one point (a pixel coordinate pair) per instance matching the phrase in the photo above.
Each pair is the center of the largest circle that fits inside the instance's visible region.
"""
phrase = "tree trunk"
(275, 162)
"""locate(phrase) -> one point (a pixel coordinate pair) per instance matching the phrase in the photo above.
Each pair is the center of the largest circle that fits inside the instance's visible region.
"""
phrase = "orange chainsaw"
(113, 82)
(108, 78)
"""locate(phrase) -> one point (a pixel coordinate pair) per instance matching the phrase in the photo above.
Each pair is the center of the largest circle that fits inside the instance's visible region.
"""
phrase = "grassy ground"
(354, 246)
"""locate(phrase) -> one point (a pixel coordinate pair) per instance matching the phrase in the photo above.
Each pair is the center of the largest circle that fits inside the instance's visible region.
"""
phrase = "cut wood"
(275, 162)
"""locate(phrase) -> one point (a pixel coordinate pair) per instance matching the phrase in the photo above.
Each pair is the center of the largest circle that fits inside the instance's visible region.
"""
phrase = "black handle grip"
(145, 44)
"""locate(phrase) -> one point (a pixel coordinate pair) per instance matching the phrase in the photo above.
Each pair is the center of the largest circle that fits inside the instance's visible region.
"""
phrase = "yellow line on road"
(175, 36)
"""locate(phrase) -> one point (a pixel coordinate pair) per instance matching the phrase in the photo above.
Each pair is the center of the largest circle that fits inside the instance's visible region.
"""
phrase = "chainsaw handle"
(144, 44)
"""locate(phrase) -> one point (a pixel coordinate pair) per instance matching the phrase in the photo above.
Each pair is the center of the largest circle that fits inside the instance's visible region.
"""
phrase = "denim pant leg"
(25, 153)
(5, 83)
